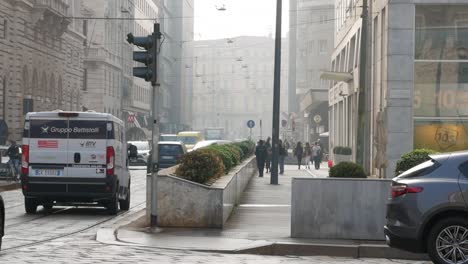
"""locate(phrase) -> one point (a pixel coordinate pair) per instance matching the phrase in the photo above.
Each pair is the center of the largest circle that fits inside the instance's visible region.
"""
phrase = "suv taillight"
(399, 190)
(25, 160)
(110, 161)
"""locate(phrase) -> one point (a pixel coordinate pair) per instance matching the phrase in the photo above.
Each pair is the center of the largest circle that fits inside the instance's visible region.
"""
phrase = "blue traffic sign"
(250, 124)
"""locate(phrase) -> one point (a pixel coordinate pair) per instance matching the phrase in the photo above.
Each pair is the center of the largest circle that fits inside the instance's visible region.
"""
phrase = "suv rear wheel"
(448, 241)
(30, 205)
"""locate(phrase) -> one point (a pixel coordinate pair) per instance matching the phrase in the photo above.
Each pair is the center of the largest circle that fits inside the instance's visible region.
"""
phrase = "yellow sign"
(443, 137)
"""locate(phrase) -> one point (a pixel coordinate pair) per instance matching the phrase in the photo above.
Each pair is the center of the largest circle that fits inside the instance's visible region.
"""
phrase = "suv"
(169, 153)
(428, 211)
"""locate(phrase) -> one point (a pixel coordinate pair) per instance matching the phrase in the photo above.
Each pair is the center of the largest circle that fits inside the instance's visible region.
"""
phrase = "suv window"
(464, 169)
(422, 169)
(170, 150)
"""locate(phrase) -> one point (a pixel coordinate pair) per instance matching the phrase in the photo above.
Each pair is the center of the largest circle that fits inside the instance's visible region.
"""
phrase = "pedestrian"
(282, 155)
(14, 154)
(298, 152)
(317, 152)
(286, 145)
(260, 153)
(308, 154)
(268, 154)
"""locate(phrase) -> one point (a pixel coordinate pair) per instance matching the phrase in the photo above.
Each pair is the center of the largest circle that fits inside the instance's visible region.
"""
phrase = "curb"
(10, 186)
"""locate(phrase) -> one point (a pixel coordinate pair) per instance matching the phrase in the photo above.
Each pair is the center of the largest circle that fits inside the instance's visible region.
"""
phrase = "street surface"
(67, 235)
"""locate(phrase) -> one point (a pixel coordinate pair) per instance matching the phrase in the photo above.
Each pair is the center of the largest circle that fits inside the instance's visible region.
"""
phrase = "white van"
(74, 157)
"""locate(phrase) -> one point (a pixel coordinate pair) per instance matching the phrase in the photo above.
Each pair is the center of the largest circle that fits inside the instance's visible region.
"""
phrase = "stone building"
(41, 60)
(416, 86)
(233, 83)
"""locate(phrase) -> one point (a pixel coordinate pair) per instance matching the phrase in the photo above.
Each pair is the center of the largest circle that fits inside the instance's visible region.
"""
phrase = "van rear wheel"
(125, 204)
(30, 205)
(113, 205)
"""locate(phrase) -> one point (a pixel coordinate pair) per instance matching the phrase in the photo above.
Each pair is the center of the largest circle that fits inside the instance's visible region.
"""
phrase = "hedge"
(200, 166)
(211, 162)
(412, 158)
(347, 170)
(342, 150)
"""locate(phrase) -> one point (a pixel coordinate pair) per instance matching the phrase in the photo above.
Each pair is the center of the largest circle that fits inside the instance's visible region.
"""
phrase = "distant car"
(168, 137)
(207, 143)
(2, 220)
(428, 210)
(170, 152)
(190, 138)
(143, 149)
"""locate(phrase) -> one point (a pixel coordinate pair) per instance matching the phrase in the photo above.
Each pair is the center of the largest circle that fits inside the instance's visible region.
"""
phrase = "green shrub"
(347, 170)
(227, 157)
(200, 166)
(247, 147)
(236, 151)
(342, 150)
(413, 158)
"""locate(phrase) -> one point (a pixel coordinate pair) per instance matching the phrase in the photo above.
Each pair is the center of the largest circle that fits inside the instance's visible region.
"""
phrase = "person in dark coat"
(298, 152)
(260, 153)
(268, 155)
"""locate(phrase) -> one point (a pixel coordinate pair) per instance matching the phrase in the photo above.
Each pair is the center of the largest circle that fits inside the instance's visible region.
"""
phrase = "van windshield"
(188, 140)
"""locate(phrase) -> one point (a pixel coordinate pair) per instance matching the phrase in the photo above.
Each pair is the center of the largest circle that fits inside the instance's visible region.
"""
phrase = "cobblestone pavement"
(67, 235)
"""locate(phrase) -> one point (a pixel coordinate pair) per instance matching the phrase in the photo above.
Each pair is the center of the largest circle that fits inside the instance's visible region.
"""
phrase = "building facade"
(176, 65)
(108, 62)
(41, 60)
(233, 83)
(314, 29)
(416, 79)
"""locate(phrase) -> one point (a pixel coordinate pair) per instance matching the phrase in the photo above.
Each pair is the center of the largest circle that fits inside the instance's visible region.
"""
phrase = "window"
(421, 169)
(3, 29)
(323, 46)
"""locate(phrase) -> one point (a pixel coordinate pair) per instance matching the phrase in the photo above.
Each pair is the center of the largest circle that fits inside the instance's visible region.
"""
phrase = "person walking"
(298, 152)
(283, 152)
(260, 153)
(14, 154)
(308, 155)
(268, 154)
(317, 153)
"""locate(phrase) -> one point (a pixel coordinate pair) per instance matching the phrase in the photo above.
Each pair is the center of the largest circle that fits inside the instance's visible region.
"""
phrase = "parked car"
(206, 143)
(428, 210)
(170, 152)
(190, 138)
(168, 137)
(2, 220)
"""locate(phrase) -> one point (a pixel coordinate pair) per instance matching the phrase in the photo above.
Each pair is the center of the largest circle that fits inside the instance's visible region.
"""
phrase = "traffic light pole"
(276, 97)
(153, 188)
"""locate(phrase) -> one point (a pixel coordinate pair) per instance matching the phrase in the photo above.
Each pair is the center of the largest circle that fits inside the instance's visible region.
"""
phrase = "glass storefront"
(441, 77)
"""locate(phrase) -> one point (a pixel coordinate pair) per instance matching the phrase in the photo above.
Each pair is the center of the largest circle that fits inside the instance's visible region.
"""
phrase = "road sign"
(250, 124)
(317, 119)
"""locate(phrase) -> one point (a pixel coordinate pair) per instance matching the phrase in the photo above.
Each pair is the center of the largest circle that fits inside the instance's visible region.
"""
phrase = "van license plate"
(48, 172)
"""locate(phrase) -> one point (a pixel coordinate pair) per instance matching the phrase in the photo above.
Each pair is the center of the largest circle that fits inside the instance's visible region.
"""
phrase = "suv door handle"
(77, 158)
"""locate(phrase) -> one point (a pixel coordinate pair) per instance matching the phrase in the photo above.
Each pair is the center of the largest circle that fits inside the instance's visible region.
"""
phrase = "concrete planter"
(341, 158)
(182, 203)
(332, 208)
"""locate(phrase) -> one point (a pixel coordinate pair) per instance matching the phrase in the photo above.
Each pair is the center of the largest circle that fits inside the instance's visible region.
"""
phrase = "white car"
(74, 157)
(206, 143)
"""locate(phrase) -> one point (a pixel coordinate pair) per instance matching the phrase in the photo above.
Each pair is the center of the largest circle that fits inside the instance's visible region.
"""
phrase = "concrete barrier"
(332, 208)
(182, 203)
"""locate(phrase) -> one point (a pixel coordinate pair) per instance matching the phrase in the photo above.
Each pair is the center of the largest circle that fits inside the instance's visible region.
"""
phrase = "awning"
(336, 76)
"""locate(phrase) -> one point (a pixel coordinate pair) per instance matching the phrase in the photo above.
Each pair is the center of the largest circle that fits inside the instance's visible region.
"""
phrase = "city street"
(67, 235)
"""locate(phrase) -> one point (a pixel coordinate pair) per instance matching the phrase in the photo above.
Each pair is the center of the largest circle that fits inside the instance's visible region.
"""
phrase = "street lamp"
(276, 96)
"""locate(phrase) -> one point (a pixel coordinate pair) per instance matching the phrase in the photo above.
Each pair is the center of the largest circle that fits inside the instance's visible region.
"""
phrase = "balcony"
(96, 55)
(51, 15)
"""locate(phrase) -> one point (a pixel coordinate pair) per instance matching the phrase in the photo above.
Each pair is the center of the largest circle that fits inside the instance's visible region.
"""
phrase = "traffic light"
(147, 57)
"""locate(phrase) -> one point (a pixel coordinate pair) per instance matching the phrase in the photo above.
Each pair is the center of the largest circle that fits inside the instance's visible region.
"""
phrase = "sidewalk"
(259, 225)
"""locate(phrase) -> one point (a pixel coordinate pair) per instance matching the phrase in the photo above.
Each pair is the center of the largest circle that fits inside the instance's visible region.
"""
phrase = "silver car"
(428, 210)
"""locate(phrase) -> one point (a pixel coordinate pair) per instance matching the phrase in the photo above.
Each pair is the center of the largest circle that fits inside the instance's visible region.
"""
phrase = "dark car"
(170, 152)
(428, 211)
(2, 220)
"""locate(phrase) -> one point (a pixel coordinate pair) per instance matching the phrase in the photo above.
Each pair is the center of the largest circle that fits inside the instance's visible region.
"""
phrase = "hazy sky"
(242, 17)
